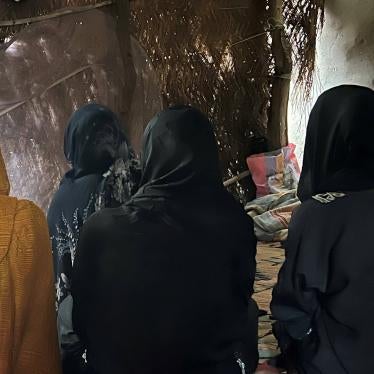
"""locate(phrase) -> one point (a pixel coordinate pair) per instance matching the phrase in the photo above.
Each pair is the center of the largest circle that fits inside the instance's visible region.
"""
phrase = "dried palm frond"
(214, 54)
(303, 19)
(11, 10)
(196, 49)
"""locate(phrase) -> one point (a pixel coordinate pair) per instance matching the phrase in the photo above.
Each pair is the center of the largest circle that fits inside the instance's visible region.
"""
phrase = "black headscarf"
(339, 149)
(93, 140)
(163, 284)
(179, 155)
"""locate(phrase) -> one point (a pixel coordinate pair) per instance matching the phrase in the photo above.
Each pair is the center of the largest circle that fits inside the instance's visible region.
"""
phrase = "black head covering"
(93, 140)
(179, 154)
(339, 150)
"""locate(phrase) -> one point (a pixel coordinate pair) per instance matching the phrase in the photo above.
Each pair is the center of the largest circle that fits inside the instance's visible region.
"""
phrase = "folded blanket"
(271, 215)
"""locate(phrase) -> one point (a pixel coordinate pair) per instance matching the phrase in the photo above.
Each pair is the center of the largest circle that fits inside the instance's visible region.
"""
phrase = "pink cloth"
(266, 369)
(274, 172)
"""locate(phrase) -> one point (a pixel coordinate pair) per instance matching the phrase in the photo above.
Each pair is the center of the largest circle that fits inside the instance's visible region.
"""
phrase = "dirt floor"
(270, 257)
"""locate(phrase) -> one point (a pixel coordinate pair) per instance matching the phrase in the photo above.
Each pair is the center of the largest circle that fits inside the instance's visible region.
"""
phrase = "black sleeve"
(303, 277)
(71, 322)
(246, 283)
(247, 258)
(83, 279)
(252, 257)
(72, 349)
(93, 275)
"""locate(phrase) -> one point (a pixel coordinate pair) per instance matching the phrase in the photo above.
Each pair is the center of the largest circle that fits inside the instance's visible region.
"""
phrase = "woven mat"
(270, 257)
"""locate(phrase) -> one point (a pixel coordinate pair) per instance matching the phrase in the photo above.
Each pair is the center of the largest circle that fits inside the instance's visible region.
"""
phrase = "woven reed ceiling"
(214, 54)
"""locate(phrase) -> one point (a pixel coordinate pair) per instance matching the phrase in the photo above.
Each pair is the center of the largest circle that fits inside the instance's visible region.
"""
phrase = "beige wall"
(345, 54)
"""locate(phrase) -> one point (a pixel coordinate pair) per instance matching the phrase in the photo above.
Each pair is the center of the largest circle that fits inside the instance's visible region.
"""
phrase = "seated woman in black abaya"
(323, 302)
(104, 173)
(163, 284)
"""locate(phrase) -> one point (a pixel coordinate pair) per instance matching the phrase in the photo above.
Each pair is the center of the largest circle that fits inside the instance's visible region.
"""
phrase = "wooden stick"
(254, 36)
(121, 12)
(237, 178)
(55, 14)
(234, 8)
(54, 84)
(281, 51)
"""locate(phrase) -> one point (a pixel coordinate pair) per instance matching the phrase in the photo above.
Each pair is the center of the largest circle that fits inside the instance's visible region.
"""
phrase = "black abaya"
(163, 284)
(103, 174)
(323, 300)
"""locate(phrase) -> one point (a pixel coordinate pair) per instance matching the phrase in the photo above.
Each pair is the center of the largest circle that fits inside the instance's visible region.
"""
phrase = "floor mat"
(270, 257)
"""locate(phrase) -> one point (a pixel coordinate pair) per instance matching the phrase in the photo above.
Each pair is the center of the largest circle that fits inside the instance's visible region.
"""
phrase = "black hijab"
(339, 149)
(93, 140)
(180, 155)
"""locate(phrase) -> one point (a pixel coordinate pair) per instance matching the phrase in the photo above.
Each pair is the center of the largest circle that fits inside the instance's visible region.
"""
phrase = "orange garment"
(28, 335)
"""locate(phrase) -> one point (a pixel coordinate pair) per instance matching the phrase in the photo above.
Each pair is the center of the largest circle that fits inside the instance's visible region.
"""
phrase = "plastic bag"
(274, 172)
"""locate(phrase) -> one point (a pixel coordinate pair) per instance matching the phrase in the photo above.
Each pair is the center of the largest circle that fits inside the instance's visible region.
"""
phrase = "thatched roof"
(24, 10)
(303, 20)
(197, 50)
(10, 9)
(215, 54)
(218, 55)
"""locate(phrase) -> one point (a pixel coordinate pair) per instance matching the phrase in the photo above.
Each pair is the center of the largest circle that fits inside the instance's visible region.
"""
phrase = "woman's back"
(335, 258)
(176, 291)
(322, 301)
(171, 273)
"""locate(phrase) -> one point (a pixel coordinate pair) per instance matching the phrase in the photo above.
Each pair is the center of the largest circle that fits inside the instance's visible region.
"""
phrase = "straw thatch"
(10, 9)
(221, 56)
(230, 59)
(203, 56)
(303, 19)
(28, 9)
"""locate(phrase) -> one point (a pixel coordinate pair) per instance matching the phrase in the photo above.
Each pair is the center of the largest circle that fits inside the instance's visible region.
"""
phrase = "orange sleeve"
(34, 342)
